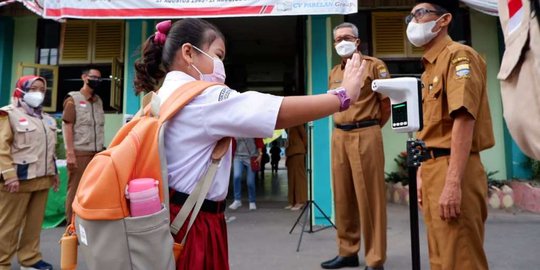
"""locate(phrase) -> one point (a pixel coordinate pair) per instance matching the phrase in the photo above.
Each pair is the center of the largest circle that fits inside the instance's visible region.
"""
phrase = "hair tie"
(162, 30)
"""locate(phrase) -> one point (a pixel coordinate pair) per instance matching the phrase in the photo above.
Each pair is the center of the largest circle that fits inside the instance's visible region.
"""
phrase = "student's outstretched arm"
(302, 109)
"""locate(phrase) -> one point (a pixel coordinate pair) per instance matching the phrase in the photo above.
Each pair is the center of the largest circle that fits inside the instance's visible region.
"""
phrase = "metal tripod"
(308, 206)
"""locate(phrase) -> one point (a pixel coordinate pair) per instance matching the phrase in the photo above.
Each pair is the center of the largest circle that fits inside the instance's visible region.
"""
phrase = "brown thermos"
(68, 251)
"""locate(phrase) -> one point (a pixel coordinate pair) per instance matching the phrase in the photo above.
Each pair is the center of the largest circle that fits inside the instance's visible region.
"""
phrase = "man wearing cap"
(358, 162)
(452, 186)
(83, 122)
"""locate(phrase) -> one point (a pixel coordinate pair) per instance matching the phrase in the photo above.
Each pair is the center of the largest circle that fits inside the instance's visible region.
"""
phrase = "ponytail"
(148, 68)
(159, 51)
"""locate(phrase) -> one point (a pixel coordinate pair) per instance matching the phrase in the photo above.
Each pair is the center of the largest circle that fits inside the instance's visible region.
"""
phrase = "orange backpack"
(109, 237)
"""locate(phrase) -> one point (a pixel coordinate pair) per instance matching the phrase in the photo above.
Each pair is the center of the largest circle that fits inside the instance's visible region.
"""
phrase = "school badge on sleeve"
(463, 70)
(383, 72)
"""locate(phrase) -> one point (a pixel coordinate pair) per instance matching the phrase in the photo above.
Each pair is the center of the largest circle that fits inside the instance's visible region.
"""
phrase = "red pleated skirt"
(206, 245)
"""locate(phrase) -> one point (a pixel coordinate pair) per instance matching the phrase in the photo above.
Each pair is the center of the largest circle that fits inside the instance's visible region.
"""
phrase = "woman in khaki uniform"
(452, 184)
(296, 167)
(27, 164)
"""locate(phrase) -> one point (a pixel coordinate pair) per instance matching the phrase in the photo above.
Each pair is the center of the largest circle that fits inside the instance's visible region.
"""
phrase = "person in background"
(245, 150)
(275, 156)
(265, 159)
(28, 166)
(83, 128)
(296, 167)
(358, 161)
(452, 190)
(193, 49)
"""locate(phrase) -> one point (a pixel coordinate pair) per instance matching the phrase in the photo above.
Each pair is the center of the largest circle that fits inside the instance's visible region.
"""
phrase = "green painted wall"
(485, 41)
(113, 122)
(318, 40)
(6, 53)
(24, 43)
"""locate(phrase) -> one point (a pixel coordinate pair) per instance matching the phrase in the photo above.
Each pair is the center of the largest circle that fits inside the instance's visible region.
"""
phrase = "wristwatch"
(344, 99)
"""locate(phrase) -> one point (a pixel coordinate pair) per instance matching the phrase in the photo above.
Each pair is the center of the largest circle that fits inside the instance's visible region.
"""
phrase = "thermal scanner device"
(406, 98)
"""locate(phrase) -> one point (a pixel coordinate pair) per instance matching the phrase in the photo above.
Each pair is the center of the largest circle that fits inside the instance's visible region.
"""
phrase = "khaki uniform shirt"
(454, 79)
(367, 107)
(27, 144)
(88, 119)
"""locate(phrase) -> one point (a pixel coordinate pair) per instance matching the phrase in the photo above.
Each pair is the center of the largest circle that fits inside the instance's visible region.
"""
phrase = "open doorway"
(266, 54)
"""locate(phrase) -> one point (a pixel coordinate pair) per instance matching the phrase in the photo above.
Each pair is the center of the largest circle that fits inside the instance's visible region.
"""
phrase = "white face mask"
(420, 34)
(33, 99)
(218, 75)
(345, 48)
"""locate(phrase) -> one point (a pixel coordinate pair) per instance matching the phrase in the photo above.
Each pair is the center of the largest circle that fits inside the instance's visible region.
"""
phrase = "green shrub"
(402, 173)
(60, 149)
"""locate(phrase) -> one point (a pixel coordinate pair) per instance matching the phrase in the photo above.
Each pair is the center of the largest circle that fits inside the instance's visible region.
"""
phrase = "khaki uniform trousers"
(74, 177)
(21, 216)
(458, 244)
(359, 192)
(296, 172)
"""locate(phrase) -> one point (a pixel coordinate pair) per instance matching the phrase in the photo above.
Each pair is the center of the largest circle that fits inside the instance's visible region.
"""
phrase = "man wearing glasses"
(452, 186)
(83, 122)
(358, 162)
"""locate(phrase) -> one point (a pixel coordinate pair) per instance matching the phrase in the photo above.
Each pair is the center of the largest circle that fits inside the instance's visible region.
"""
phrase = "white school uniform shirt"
(191, 135)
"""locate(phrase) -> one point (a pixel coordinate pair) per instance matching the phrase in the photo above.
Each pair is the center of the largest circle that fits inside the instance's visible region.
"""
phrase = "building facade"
(288, 55)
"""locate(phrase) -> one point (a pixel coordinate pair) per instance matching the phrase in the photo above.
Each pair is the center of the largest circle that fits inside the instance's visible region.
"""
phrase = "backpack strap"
(196, 198)
(174, 103)
(178, 99)
(181, 97)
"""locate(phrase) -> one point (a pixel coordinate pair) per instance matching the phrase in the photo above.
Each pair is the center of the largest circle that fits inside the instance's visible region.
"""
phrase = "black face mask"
(94, 84)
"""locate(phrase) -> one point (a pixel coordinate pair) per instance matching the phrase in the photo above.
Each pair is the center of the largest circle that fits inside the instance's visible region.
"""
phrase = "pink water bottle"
(143, 195)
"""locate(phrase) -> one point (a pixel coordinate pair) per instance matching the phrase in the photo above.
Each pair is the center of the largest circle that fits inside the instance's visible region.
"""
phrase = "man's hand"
(353, 76)
(12, 185)
(419, 188)
(71, 161)
(56, 183)
(450, 200)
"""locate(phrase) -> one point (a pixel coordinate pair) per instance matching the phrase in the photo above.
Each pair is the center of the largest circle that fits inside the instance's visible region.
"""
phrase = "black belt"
(361, 124)
(208, 206)
(436, 152)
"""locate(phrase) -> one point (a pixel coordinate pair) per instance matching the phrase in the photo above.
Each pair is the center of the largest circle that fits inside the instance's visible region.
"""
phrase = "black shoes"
(340, 262)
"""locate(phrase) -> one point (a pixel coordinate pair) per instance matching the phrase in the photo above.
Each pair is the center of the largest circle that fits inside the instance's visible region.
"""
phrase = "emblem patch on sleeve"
(383, 72)
(463, 70)
(224, 94)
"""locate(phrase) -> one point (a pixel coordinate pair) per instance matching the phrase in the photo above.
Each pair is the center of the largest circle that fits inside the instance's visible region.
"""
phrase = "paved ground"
(261, 240)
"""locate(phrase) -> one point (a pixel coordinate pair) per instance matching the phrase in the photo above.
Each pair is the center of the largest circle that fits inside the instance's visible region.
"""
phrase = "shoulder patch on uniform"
(463, 70)
(460, 59)
(383, 72)
(224, 94)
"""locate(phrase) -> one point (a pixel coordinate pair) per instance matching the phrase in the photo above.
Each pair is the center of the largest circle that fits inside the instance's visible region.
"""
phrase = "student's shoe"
(252, 206)
(297, 207)
(235, 205)
(288, 207)
(40, 265)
